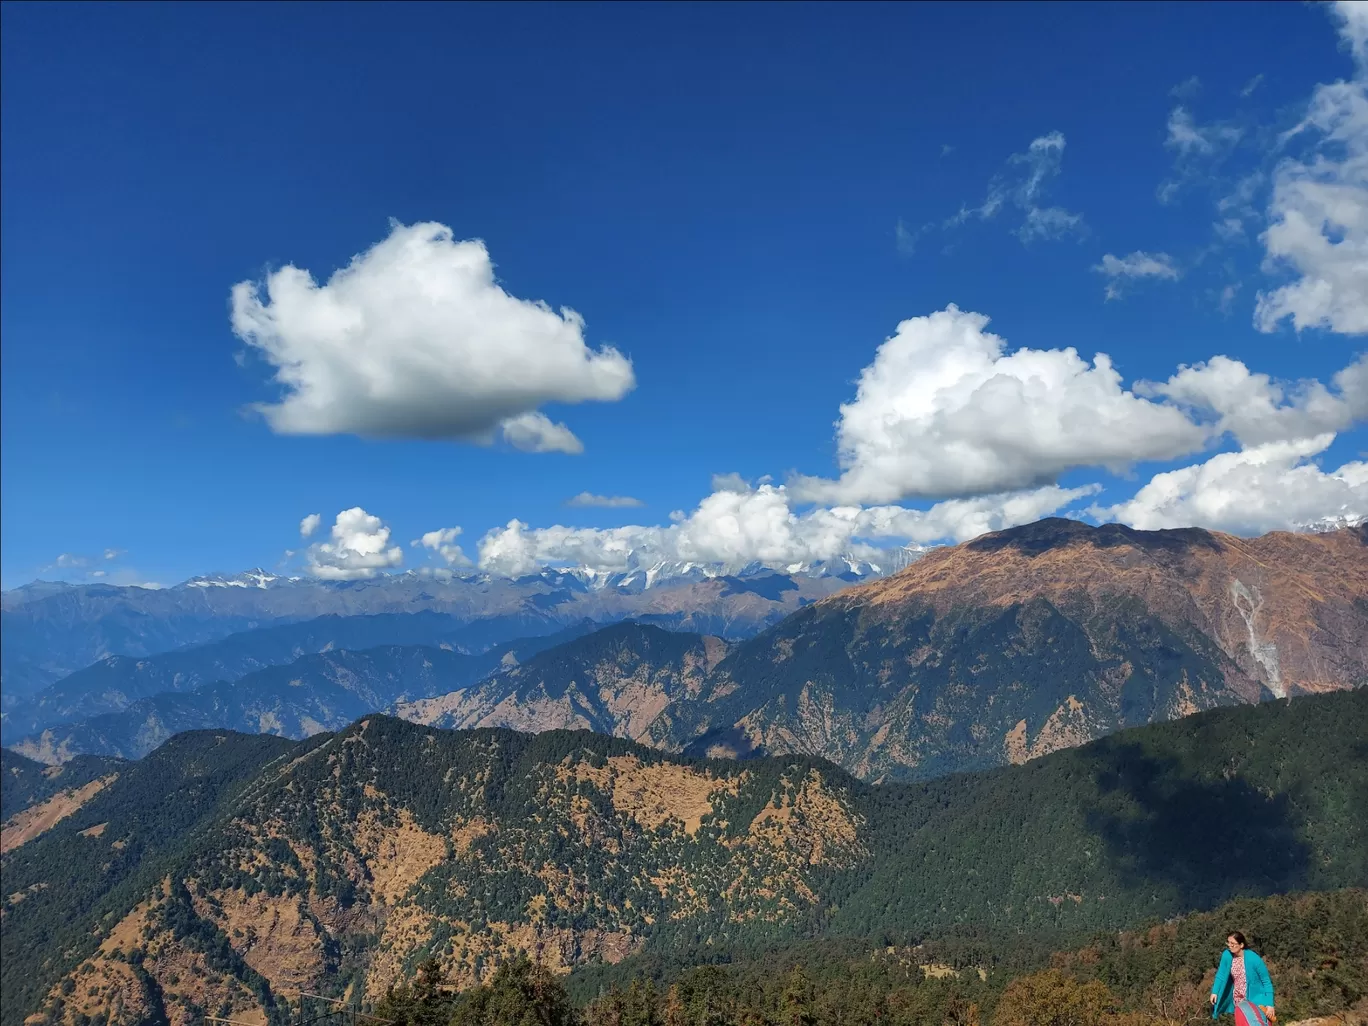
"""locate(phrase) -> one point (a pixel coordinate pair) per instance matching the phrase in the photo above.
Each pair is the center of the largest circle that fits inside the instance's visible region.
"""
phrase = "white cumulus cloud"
(740, 525)
(958, 520)
(309, 524)
(944, 410)
(416, 339)
(1318, 214)
(1133, 266)
(1256, 409)
(443, 542)
(536, 432)
(732, 482)
(1268, 487)
(359, 547)
(589, 499)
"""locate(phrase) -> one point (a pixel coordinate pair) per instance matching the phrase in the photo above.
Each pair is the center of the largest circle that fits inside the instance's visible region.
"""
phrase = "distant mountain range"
(314, 693)
(115, 682)
(996, 651)
(223, 873)
(49, 631)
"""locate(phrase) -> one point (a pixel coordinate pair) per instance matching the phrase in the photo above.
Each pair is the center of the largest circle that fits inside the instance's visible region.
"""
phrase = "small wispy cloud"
(443, 542)
(1021, 186)
(1187, 89)
(1197, 148)
(590, 500)
(1251, 85)
(1134, 266)
(104, 568)
(1187, 136)
(906, 238)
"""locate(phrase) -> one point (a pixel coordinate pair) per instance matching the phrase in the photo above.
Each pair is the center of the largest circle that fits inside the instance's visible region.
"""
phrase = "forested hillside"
(228, 870)
(1316, 947)
(24, 782)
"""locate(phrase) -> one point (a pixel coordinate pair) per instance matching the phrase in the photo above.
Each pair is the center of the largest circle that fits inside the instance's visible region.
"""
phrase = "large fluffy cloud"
(737, 524)
(945, 410)
(1257, 410)
(415, 338)
(1263, 488)
(359, 547)
(1318, 215)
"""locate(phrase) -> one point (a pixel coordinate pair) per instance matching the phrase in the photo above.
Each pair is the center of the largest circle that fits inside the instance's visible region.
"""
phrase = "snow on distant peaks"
(254, 578)
(1337, 522)
(637, 577)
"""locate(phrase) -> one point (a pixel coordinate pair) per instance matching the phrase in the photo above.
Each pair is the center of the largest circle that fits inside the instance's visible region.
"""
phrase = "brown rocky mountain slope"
(1288, 609)
(624, 680)
(1022, 642)
(999, 650)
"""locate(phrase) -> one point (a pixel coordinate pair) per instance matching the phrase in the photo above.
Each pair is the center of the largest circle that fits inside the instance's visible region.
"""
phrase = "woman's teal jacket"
(1258, 985)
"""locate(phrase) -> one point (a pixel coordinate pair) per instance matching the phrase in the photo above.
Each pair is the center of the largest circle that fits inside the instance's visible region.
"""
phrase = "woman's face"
(1235, 946)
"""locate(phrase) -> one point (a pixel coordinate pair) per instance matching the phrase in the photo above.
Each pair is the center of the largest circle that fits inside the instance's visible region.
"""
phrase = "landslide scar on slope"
(38, 820)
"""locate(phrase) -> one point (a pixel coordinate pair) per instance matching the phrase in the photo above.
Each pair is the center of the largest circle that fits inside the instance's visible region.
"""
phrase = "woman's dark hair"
(1239, 938)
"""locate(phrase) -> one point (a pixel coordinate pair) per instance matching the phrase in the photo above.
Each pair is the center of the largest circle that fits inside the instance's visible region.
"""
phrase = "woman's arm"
(1261, 970)
(1218, 985)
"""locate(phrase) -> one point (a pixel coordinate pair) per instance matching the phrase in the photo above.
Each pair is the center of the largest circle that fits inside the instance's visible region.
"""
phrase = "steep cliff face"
(1039, 638)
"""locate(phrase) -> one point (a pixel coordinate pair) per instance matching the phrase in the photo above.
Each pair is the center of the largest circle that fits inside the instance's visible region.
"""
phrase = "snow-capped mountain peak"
(254, 578)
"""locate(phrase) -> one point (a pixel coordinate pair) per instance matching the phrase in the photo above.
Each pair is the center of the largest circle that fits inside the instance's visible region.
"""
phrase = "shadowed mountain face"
(1038, 638)
(315, 693)
(116, 682)
(227, 871)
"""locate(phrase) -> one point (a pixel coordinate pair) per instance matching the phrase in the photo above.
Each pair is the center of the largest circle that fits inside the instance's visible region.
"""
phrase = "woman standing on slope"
(1243, 987)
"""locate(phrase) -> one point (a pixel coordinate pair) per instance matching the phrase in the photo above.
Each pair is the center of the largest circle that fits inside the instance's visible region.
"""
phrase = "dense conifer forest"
(1316, 946)
(710, 880)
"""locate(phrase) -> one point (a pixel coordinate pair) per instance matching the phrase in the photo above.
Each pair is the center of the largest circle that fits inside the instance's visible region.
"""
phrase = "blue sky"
(744, 201)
